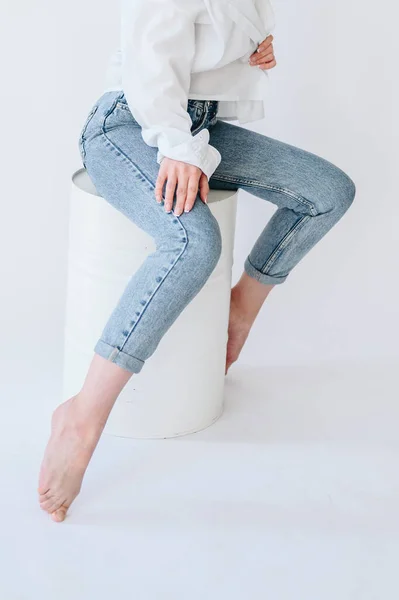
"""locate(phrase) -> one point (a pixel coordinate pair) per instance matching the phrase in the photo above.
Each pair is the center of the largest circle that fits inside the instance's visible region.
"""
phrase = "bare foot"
(69, 450)
(238, 330)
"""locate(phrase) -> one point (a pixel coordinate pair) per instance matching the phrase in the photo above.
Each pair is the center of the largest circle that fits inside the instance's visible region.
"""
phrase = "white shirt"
(173, 50)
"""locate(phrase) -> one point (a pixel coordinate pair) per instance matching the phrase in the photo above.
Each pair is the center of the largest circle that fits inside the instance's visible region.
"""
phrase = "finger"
(266, 59)
(192, 191)
(204, 188)
(181, 195)
(159, 185)
(170, 191)
(268, 65)
(266, 42)
(259, 56)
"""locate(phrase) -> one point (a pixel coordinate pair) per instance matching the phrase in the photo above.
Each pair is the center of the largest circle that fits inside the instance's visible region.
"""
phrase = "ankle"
(240, 307)
(248, 296)
(84, 417)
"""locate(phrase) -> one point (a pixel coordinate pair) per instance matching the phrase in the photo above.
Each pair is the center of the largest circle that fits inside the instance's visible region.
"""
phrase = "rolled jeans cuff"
(120, 358)
(262, 277)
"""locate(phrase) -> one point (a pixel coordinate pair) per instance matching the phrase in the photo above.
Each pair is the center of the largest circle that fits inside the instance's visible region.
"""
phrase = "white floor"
(292, 495)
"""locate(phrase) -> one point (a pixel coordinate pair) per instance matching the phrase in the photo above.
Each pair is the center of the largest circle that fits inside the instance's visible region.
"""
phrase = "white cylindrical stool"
(180, 388)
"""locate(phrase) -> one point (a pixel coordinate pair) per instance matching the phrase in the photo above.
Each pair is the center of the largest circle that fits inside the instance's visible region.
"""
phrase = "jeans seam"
(154, 291)
(284, 243)
(274, 188)
(260, 273)
(110, 109)
(176, 219)
(119, 151)
(82, 139)
(116, 351)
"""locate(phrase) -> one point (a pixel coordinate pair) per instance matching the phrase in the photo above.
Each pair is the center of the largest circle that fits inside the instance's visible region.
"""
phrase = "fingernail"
(206, 199)
(186, 210)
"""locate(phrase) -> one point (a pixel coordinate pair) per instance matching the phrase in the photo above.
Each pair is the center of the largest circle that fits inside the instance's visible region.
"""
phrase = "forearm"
(158, 46)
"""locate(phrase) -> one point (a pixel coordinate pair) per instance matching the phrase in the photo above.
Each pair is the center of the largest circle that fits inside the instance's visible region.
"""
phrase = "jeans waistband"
(204, 111)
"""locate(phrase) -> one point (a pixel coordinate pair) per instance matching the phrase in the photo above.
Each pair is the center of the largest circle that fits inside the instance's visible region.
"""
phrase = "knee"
(332, 191)
(346, 193)
(343, 192)
(204, 249)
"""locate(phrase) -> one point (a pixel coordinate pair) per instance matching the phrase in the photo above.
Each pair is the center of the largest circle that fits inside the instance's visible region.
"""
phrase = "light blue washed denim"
(311, 195)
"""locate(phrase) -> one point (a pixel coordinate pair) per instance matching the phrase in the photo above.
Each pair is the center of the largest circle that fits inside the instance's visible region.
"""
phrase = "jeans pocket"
(119, 115)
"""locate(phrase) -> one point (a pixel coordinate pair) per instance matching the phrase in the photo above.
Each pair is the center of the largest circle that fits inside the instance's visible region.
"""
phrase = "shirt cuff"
(197, 151)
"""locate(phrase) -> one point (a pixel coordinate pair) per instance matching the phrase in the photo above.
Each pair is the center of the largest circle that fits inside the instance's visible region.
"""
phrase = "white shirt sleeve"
(158, 47)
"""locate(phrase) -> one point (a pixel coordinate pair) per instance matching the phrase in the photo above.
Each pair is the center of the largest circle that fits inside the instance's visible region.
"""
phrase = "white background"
(333, 93)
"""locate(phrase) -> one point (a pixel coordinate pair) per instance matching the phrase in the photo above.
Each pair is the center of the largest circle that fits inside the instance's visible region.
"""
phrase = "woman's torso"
(227, 32)
(239, 45)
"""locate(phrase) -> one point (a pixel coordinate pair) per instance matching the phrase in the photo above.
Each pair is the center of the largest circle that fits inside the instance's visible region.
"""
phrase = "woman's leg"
(311, 195)
(124, 170)
(246, 300)
(75, 430)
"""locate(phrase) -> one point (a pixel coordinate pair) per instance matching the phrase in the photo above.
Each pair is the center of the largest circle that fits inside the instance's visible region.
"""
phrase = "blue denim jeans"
(310, 193)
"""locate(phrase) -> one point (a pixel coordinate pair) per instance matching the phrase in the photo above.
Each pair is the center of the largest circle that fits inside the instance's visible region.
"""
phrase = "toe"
(48, 506)
(51, 505)
(47, 496)
(59, 515)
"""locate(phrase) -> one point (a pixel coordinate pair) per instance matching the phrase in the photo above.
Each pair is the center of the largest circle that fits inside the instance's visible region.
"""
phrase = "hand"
(264, 57)
(188, 180)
